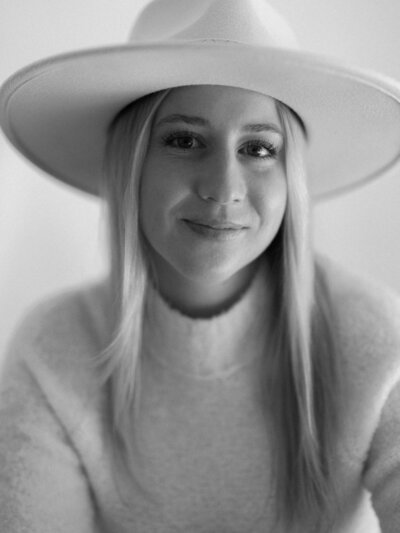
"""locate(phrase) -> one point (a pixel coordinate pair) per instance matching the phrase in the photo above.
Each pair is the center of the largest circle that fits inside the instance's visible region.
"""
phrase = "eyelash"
(171, 137)
(272, 149)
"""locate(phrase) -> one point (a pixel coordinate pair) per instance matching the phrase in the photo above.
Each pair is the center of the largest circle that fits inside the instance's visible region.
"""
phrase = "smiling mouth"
(216, 224)
(215, 230)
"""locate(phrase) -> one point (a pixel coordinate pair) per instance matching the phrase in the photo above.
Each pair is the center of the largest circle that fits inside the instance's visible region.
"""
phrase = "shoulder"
(366, 316)
(73, 315)
(58, 339)
(361, 297)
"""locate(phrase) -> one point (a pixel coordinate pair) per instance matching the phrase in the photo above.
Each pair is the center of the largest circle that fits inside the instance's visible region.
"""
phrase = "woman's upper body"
(202, 450)
(219, 410)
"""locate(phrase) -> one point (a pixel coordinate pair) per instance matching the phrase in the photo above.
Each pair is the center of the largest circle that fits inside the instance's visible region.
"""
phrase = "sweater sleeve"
(368, 318)
(43, 488)
(382, 469)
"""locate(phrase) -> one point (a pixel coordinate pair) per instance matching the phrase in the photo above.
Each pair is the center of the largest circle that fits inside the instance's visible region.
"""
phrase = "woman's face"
(213, 189)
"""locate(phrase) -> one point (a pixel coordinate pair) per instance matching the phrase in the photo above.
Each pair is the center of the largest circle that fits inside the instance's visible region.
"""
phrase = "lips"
(217, 224)
(217, 230)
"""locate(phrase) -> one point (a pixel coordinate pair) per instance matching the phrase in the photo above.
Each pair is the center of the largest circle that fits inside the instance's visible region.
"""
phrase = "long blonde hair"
(304, 392)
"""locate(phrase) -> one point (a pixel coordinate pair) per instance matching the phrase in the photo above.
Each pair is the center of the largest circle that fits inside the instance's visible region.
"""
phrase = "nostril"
(222, 191)
(220, 199)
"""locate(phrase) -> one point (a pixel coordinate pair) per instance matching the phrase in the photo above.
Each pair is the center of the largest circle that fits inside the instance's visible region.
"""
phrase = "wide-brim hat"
(57, 111)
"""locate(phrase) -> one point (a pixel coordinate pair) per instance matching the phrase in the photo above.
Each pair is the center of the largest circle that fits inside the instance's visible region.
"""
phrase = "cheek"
(150, 201)
(160, 193)
(271, 201)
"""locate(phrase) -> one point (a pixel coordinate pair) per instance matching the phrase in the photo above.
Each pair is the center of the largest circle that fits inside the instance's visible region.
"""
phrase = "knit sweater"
(202, 459)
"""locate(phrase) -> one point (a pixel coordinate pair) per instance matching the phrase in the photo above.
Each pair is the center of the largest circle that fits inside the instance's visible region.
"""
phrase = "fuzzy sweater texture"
(202, 458)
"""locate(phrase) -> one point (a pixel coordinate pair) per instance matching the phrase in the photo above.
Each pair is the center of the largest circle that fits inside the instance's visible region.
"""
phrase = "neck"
(202, 299)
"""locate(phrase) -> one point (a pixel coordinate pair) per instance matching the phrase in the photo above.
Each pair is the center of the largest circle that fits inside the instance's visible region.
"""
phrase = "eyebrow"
(199, 121)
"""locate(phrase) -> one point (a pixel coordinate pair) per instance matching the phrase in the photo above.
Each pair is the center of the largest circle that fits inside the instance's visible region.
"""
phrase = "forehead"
(219, 104)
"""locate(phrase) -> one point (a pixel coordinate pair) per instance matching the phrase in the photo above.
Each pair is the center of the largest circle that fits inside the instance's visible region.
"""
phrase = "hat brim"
(56, 112)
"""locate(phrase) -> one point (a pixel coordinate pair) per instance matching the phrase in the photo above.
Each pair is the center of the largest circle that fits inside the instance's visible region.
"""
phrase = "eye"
(183, 140)
(260, 150)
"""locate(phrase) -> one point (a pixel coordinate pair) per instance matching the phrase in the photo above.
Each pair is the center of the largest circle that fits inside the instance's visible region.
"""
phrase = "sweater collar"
(208, 348)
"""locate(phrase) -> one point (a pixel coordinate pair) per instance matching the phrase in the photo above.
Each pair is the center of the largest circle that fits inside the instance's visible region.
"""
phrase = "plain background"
(51, 236)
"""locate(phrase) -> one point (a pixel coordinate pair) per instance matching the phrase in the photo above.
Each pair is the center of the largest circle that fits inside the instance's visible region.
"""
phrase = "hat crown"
(252, 22)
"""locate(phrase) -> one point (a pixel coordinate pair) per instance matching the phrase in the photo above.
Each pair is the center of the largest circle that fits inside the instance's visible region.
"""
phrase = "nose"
(222, 180)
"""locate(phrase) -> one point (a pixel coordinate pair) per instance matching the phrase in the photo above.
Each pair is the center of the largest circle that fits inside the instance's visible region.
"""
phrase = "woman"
(221, 378)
